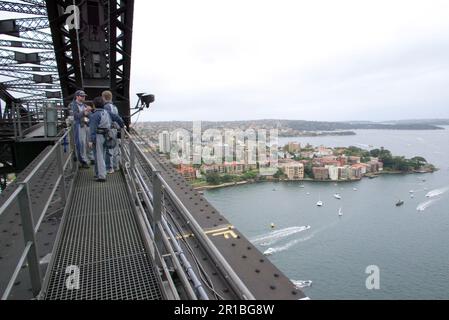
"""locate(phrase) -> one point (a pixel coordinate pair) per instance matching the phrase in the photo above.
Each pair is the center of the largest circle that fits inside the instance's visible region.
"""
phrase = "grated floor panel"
(100, 236)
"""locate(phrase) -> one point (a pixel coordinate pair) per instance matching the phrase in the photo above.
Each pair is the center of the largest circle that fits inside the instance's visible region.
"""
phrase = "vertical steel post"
(29, 115)
(19, 124)
(73, 148)
(60, 160)
(44, 109)
(157, 210)
(13, 113)
(26, 213)
(132, 156)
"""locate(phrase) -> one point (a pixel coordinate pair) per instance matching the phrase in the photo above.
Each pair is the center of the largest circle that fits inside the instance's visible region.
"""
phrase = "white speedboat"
(320, 203)
(340, 213)
(300, 284)
(268, 252)
(337, 196)
(355, 189)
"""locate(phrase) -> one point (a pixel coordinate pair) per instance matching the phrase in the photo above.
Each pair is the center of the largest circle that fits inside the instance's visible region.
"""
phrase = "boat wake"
(271, 251)
(437, 192)
(275, 236)
(288, 245)
(424, 205)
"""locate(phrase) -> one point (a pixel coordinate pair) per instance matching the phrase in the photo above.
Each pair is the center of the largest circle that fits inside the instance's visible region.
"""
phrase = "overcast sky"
(314, 60)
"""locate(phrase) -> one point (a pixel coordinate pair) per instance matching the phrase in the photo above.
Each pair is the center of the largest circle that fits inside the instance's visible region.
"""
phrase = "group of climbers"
(97, 133)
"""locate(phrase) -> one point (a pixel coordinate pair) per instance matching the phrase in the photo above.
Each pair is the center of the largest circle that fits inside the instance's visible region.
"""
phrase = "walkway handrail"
(30, 229)
(228, 272)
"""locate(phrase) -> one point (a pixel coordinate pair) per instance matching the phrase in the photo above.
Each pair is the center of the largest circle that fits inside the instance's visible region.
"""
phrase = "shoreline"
(245, 182)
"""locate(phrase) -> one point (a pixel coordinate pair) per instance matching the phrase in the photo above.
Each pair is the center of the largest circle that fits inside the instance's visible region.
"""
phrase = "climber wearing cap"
(81, 125)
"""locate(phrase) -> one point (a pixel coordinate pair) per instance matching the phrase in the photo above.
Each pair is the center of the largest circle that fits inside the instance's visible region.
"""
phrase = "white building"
(164, 142)
(333, 172)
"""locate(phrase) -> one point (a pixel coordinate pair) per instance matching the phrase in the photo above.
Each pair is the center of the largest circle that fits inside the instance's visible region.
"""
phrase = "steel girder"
(28, 61)
(67, 55)
(98, 55)
(121, 15)
(31, 7)
(66, 48)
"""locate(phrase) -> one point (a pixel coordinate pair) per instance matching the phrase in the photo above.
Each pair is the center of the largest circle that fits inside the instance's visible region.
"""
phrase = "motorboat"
(340, 213)
(300, 284)
(399, 203)
(337, 196)
(319, 203)
(268, 252)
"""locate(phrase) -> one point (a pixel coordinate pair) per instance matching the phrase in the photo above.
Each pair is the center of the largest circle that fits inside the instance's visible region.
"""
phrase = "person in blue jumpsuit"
(81, 115)
(100, 123)
(112, 155)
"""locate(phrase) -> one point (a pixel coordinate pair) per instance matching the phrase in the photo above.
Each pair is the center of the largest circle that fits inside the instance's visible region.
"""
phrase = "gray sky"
(313, 60)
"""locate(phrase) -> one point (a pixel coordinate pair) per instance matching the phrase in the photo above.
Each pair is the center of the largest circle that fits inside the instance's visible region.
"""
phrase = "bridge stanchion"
(132, 156)
(19, 124)
(157, 210)
(132, 168)
(60, 164)
(13, 117)
(29, 115)
(73, 148)
(26, 213)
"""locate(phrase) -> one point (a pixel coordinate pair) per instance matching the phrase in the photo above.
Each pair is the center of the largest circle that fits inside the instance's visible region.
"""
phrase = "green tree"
(278, 174)
(249, 175)
(375, 153)
(213, 178)
(418, 162)
(226, 178)
(308, 171)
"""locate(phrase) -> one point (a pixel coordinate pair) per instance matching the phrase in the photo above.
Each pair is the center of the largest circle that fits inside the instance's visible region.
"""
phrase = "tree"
(213, 178)
(308, 170)
(375, 153)
(226, 178)
(365, 156)
(354, 151)
(249, 175)
(386, 157)
(278, 174)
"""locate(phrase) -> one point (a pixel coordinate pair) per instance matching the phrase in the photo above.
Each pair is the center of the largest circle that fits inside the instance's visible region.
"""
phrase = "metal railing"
(25, 118)
(21, 196)
(165, 240)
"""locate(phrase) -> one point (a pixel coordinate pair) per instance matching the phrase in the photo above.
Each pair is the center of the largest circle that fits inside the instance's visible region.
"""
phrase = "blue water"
(410, 247)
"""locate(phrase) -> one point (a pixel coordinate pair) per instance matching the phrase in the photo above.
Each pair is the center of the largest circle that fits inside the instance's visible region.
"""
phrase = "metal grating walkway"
(101, 237)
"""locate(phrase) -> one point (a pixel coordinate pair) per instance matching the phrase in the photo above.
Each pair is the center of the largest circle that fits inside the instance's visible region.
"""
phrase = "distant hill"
(434, 122)
(310, 126)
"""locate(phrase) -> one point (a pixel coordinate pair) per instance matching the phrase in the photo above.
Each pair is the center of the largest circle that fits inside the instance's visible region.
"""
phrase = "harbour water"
(409, 244)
